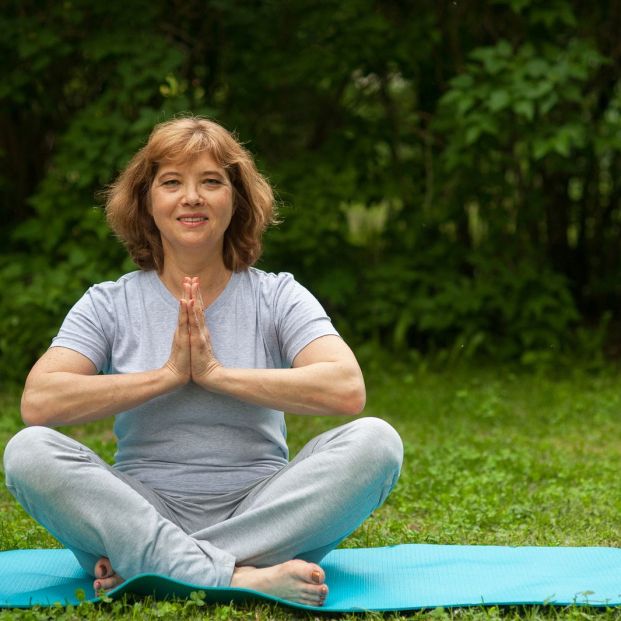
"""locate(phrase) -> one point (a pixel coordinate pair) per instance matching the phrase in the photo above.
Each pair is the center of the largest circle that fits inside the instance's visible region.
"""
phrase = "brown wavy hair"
(181, 139)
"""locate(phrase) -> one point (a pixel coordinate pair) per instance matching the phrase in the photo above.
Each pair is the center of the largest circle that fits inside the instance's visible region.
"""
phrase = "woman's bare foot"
(105, 577)
(297, 581)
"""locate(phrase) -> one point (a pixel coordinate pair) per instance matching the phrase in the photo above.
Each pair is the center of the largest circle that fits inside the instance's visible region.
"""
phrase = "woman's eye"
(170, 182)
(213, 182)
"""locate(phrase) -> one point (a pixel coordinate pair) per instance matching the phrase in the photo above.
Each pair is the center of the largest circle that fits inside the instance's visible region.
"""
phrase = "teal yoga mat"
(404, 577)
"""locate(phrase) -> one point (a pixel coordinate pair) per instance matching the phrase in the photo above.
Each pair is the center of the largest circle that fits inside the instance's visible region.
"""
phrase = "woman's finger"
(179, 360)
(197, 319)
(204, 361)
(197, 295)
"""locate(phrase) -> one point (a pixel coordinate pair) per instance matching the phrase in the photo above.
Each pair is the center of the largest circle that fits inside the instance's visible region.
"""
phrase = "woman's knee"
(377, 457)
(379, 442)
(28, 452)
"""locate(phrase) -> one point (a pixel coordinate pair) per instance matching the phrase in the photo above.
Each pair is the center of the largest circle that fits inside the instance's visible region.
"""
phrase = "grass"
(493, 456)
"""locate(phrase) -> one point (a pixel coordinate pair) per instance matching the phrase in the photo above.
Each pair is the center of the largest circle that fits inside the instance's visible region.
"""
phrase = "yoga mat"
(404, 577)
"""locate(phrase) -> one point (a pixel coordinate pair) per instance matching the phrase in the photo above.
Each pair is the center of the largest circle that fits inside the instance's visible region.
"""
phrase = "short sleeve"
(84, 331)
(299, 318)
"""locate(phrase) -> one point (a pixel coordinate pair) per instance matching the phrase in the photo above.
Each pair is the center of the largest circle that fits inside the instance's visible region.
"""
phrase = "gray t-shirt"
(192, 440)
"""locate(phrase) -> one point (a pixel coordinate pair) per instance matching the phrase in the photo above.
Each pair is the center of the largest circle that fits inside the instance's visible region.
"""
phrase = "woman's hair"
(181, 139)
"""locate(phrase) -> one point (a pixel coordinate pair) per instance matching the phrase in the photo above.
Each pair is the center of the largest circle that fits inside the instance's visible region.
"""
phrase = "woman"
(197, 355)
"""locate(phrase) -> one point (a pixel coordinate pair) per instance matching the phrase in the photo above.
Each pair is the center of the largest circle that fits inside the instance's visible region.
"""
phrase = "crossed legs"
(301, 512)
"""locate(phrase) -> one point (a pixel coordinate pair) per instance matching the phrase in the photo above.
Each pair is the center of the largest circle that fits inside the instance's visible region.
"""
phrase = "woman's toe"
(107, 584)
(103, 568)
(317, 574)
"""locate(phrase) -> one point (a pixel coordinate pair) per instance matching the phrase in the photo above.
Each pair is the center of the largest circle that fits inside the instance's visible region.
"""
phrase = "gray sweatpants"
(302, 511)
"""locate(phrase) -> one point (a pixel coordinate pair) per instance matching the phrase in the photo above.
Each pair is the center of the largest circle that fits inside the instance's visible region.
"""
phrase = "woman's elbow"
(356, 404)
(353, 399)
(32, 411)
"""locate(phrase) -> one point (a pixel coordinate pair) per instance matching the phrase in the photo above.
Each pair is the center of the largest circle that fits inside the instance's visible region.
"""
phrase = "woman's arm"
(63, 387)
(325, 379)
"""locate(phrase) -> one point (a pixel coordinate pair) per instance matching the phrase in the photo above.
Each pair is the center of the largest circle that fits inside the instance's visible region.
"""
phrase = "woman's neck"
(213, 276)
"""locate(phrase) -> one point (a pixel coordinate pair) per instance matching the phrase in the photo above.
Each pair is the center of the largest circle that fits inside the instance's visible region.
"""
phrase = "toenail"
(104, 571)
(316, 577)
(324, 591)
(97, 586)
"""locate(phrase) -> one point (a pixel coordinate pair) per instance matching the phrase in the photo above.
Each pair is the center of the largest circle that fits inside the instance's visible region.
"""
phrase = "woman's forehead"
(204, 160)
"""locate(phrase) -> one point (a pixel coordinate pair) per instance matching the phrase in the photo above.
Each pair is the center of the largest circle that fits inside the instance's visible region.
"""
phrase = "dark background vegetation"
(448, 171)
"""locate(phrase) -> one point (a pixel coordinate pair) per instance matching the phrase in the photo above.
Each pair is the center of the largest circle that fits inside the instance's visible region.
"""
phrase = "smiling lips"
(192, 220)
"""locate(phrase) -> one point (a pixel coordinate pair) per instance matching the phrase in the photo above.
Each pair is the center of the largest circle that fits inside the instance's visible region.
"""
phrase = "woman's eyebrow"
(212, 172)
(202, 172)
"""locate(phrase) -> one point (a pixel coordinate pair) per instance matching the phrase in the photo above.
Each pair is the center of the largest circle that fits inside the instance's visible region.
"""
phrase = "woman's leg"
(303, 511)
(314, 502)
(96, 511)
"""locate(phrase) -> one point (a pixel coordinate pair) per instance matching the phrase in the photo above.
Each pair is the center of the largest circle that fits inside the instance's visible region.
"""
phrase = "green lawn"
(493, 456)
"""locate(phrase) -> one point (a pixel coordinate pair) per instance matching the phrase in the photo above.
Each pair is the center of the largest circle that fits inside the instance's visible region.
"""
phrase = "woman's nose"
(192, 195)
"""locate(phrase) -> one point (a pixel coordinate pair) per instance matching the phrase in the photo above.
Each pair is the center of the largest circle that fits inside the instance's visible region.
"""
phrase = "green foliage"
(508, 312)
(449, 172)
(510, 96)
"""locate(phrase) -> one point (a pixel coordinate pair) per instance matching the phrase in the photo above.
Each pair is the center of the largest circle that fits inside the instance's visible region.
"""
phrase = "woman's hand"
(180, 360)
(192, 356)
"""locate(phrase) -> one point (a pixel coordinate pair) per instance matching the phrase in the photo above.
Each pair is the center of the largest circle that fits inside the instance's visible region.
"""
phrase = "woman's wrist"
(169, 378)
(212, 378)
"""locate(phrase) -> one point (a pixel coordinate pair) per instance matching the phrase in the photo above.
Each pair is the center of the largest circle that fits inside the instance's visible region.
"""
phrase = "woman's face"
(192, 205)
